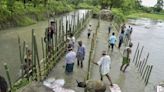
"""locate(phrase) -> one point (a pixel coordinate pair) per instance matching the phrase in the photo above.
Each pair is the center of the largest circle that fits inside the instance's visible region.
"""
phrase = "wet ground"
(79, 74)
(9, 50)
(128, 81)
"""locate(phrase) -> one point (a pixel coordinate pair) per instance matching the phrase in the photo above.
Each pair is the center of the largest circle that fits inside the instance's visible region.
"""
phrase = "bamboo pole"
(151, 67)
(141, 66)
(145, 70)
(42, 41)
(8, 75)
(20, 51)
(145, 63)
(37, 58)
(140, 55)
(137, 56)
(146, 74)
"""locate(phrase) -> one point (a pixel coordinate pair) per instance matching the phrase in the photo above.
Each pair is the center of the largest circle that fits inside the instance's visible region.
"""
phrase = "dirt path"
(128, 81)
(78, 74)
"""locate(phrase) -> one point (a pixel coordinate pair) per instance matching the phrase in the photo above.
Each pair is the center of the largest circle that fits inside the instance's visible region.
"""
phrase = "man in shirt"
(121, 38)
(89, 31)
(80, 54)
(112, 41)
(105, 65)
(70, 59)
(126, 57)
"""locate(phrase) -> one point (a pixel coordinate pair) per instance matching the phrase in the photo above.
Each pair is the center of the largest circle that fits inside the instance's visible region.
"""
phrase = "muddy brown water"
(9, 51)
(150, 34)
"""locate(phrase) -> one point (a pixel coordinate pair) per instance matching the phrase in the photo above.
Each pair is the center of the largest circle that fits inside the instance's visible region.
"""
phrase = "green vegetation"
(146, 15)
(18, 13)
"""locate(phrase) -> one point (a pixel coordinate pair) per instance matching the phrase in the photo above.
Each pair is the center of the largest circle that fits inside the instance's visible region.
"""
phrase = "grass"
(146, 15)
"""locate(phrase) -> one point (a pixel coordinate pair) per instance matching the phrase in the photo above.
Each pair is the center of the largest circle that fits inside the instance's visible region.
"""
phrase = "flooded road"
(9, 51)
(150, 33)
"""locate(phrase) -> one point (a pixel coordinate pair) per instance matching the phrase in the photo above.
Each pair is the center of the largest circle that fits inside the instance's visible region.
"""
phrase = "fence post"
(8, 75)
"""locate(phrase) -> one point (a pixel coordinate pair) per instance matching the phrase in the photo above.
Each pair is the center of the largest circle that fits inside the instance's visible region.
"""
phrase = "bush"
(118, 15)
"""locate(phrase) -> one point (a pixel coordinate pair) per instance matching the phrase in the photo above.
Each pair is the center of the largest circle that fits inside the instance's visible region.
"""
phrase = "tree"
(159, 6)
(10, 4)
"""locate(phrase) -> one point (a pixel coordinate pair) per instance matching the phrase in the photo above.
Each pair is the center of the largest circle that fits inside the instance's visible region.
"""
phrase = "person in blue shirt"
(80, 54)
(112, 41)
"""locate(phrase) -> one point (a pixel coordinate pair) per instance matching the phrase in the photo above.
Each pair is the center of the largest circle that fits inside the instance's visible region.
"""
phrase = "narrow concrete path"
(79, 74)
(128, 81)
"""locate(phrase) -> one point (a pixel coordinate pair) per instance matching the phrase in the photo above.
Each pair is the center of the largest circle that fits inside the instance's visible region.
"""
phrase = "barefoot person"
(126, 57)
(121, 38)
(89, 31)
(80, 54)
(105, 65)
(70, 59)
(3, 85)
(112, 41)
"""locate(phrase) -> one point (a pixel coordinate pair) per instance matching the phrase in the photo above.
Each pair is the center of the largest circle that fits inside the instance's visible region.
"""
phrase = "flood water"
(9, 51)
(150, 34)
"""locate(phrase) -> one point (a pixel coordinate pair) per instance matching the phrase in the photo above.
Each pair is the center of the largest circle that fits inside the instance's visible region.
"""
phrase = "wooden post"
(145, 70)
(37, 58)
(20, 51)
(137, 57)
(140, 55)
(151, 67)
(145, 63)
(8, 75)
(146, 74)
(141, 68)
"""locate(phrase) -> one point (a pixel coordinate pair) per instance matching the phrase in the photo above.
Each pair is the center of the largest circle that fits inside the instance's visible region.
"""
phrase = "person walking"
(89, 31)
(126, 57)
(121, 38)
(70, 59)
(105, 66)
(112, 41)
(72, 40)
(80, 54)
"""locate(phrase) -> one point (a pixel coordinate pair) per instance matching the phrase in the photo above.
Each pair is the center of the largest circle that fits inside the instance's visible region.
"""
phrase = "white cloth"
(104, 64)
(70, 57)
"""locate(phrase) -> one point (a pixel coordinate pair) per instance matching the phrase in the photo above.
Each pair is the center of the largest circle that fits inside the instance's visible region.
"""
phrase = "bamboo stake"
(145, 70)
(8, 75)
(137, 57)
(146, 75)
(151, 67)
(37, 57)
(20, 51)
(145, 63)
(140, 54)
(141, 66)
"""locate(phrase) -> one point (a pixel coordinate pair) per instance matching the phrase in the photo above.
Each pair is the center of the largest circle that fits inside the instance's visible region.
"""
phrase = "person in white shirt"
(70, 59)
(105, 65)
(89, 31)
